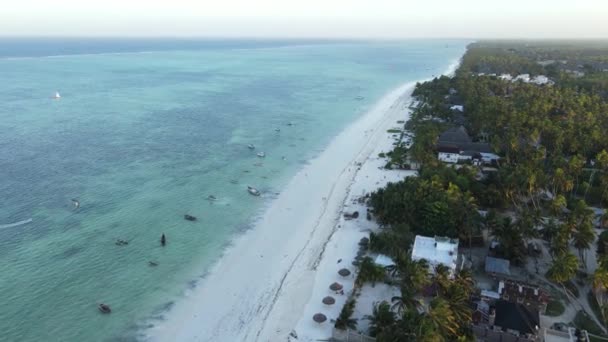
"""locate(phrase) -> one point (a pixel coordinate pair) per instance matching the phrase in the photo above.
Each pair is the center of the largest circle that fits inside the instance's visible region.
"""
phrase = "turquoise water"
(142, 138)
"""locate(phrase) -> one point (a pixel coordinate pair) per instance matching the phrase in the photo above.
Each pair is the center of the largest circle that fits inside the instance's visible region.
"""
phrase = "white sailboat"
(57, 96)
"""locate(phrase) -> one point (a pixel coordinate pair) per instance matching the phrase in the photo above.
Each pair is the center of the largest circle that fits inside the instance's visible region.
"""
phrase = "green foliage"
(584, 322)
(555, 308)
(563, 269)
(369, 271)
(431, 204)
(344, 320)
(382, 318)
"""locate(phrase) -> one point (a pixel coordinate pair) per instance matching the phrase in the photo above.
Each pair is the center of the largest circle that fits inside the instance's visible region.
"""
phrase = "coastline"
(246, 297)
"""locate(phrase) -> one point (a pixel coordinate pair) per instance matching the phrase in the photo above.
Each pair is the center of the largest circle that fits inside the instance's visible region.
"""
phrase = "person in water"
(163, 240)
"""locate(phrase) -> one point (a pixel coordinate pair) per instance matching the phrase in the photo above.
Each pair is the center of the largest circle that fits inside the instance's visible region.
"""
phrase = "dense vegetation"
(553, 168)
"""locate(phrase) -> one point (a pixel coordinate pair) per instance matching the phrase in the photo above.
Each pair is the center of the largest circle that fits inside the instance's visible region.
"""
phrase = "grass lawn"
(584, 322)
(555, 308)
(594, 305)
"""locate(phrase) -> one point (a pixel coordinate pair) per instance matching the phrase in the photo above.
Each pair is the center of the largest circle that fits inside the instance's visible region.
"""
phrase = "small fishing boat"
(120, 242)
(189, 217)
(261, 154)
(251, 147)
(212, 198)
(234, 181)
(359, 98)
(277, 129)
(152, 263)
(253, 191)
(104, 308)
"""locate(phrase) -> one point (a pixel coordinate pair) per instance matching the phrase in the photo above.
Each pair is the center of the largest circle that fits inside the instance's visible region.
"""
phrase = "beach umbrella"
(319, 318)
(335, 287)
(329, 300)
(344, 272)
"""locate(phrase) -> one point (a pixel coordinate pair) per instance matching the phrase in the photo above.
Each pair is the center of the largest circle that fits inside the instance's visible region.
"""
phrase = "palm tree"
(381, 318)
(369, 271)
(442, 278)
(406, 301)
(563, 269)
(582, 238)
(442, 317)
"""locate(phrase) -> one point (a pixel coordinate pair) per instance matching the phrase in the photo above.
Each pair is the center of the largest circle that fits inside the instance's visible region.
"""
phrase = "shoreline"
(245, 297)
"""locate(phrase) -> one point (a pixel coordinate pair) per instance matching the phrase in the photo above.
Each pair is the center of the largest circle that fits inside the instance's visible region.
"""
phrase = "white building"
(436, 250)
(505, 77)
(448, 154)
(523, 77)
(459, 108)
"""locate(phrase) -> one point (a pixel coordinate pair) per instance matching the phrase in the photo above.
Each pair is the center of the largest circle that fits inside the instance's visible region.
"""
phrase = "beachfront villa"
(437, 250)
(455, 145)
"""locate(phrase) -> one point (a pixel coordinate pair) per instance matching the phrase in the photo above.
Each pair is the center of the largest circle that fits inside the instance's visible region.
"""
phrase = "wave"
(16, 224)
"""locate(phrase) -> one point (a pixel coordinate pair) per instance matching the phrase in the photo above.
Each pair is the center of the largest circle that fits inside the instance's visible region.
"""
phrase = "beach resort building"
(437, 250)
(532, 297)
(506, 321)
(455, 145)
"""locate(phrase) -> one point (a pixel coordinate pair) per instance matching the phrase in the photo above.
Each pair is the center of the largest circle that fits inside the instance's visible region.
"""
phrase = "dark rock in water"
(189, 217)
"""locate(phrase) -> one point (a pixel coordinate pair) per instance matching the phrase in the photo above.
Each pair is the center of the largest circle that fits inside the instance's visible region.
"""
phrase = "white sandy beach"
(271, 281)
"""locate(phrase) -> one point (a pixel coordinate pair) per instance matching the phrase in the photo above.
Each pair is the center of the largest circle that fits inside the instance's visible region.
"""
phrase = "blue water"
(144, 132)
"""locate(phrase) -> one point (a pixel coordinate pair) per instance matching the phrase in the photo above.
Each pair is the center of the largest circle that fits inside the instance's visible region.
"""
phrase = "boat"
(104, 308)
(212, 198)
(251, 147)
(261, 154)
(359, 98)
(189, 217)
(277, 129)
(57, 96)
(253, 191)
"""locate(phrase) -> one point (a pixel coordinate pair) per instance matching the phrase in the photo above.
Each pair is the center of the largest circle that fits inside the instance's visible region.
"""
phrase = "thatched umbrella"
(319, 318)
(361, 253)
(344, 272)
(329, 300)
(335, 287)
(356, 263)
(364, 241)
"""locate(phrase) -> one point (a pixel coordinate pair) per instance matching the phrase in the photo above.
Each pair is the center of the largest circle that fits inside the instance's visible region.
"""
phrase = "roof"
(448, 149)
(436, 250)
(454, 136)
(516, 317)
(490, 294)
(476, 146)
(530, 293)
(384, 260)
(497, 265)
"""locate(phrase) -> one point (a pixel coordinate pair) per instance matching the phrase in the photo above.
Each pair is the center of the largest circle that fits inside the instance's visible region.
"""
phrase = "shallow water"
(142, 138)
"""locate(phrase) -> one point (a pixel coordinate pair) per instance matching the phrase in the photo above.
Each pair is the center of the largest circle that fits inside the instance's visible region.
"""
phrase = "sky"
(307, 19)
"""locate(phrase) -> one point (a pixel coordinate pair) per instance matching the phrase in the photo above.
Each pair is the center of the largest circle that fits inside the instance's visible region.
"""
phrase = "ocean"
(144, 132)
